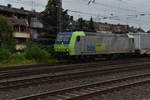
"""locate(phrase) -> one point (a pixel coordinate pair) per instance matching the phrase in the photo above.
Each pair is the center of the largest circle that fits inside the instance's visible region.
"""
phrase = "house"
(25, 24)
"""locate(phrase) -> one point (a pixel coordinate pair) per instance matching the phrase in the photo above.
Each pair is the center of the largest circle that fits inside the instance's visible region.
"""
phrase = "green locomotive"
(84, 44)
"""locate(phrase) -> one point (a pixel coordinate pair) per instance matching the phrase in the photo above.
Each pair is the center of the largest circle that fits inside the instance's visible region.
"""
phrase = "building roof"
(15, 10)
(15, 21)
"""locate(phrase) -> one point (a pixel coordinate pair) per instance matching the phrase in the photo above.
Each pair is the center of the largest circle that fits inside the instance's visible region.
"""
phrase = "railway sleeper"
(92, 89)
(85, 91)
(72, 94)
(77, 92)
(59, 96)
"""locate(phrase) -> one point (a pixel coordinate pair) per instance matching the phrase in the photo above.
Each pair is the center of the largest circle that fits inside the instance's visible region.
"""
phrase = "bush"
(18, 57)
(4, 54)
(49, 49)
(35, 52)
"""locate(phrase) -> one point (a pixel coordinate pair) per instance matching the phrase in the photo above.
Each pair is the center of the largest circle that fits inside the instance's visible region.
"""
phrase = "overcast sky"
(132, 12)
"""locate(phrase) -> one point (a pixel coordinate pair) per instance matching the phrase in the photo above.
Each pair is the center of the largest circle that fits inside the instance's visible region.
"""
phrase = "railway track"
(56, 77)
(76, 72)
(46, 69)
(30, 67)
(86, 91)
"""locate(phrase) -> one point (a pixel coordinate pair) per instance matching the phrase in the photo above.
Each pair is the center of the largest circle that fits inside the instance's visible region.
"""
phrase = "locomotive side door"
(79, 45)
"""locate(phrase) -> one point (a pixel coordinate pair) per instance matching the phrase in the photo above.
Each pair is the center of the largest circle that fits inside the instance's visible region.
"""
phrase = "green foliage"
(51, 21)
(67, 19)
(49, 17)
(48, 48)
(35, 52)
(91, 25)
(18, 57)
(81, 24)
(140, 30)
(4, 54)
(6, 36)
(148, 31)
(84, 25)
(4, 25)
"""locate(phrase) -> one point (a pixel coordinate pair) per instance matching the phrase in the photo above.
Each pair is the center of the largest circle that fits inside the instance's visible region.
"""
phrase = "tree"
(81, 24)
(66, 20)
(6, 37)
(84, 25)
(91, 25)
(140, 29)
(148, 31)
(49, 17)
(50, 20)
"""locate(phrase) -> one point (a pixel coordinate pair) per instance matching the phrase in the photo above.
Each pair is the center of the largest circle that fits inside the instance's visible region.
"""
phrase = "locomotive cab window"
(78, 38)
(63, 38)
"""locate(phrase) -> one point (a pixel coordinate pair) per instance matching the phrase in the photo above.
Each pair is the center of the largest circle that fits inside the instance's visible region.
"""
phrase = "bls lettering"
(91, 48)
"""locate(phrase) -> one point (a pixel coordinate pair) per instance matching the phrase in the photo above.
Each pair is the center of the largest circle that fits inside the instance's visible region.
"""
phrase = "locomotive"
(93, 44)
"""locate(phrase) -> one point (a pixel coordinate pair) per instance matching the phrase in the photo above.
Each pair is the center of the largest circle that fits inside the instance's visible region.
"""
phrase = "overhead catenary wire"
(138, 22)
(33, 3)
(129, 17)
(138, 13)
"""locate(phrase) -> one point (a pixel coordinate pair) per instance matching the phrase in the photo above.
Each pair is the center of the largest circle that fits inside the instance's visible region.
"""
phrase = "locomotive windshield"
(63, 38)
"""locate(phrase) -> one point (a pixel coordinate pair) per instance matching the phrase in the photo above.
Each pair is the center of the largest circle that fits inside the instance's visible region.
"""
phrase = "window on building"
(23, 29)
(16, 28)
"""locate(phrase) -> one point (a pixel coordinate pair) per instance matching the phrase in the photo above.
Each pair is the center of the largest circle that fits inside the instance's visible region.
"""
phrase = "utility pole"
(32, 4)
(59, 15)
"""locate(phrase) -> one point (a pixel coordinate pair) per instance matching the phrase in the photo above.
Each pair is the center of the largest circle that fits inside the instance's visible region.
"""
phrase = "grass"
(13, 62)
